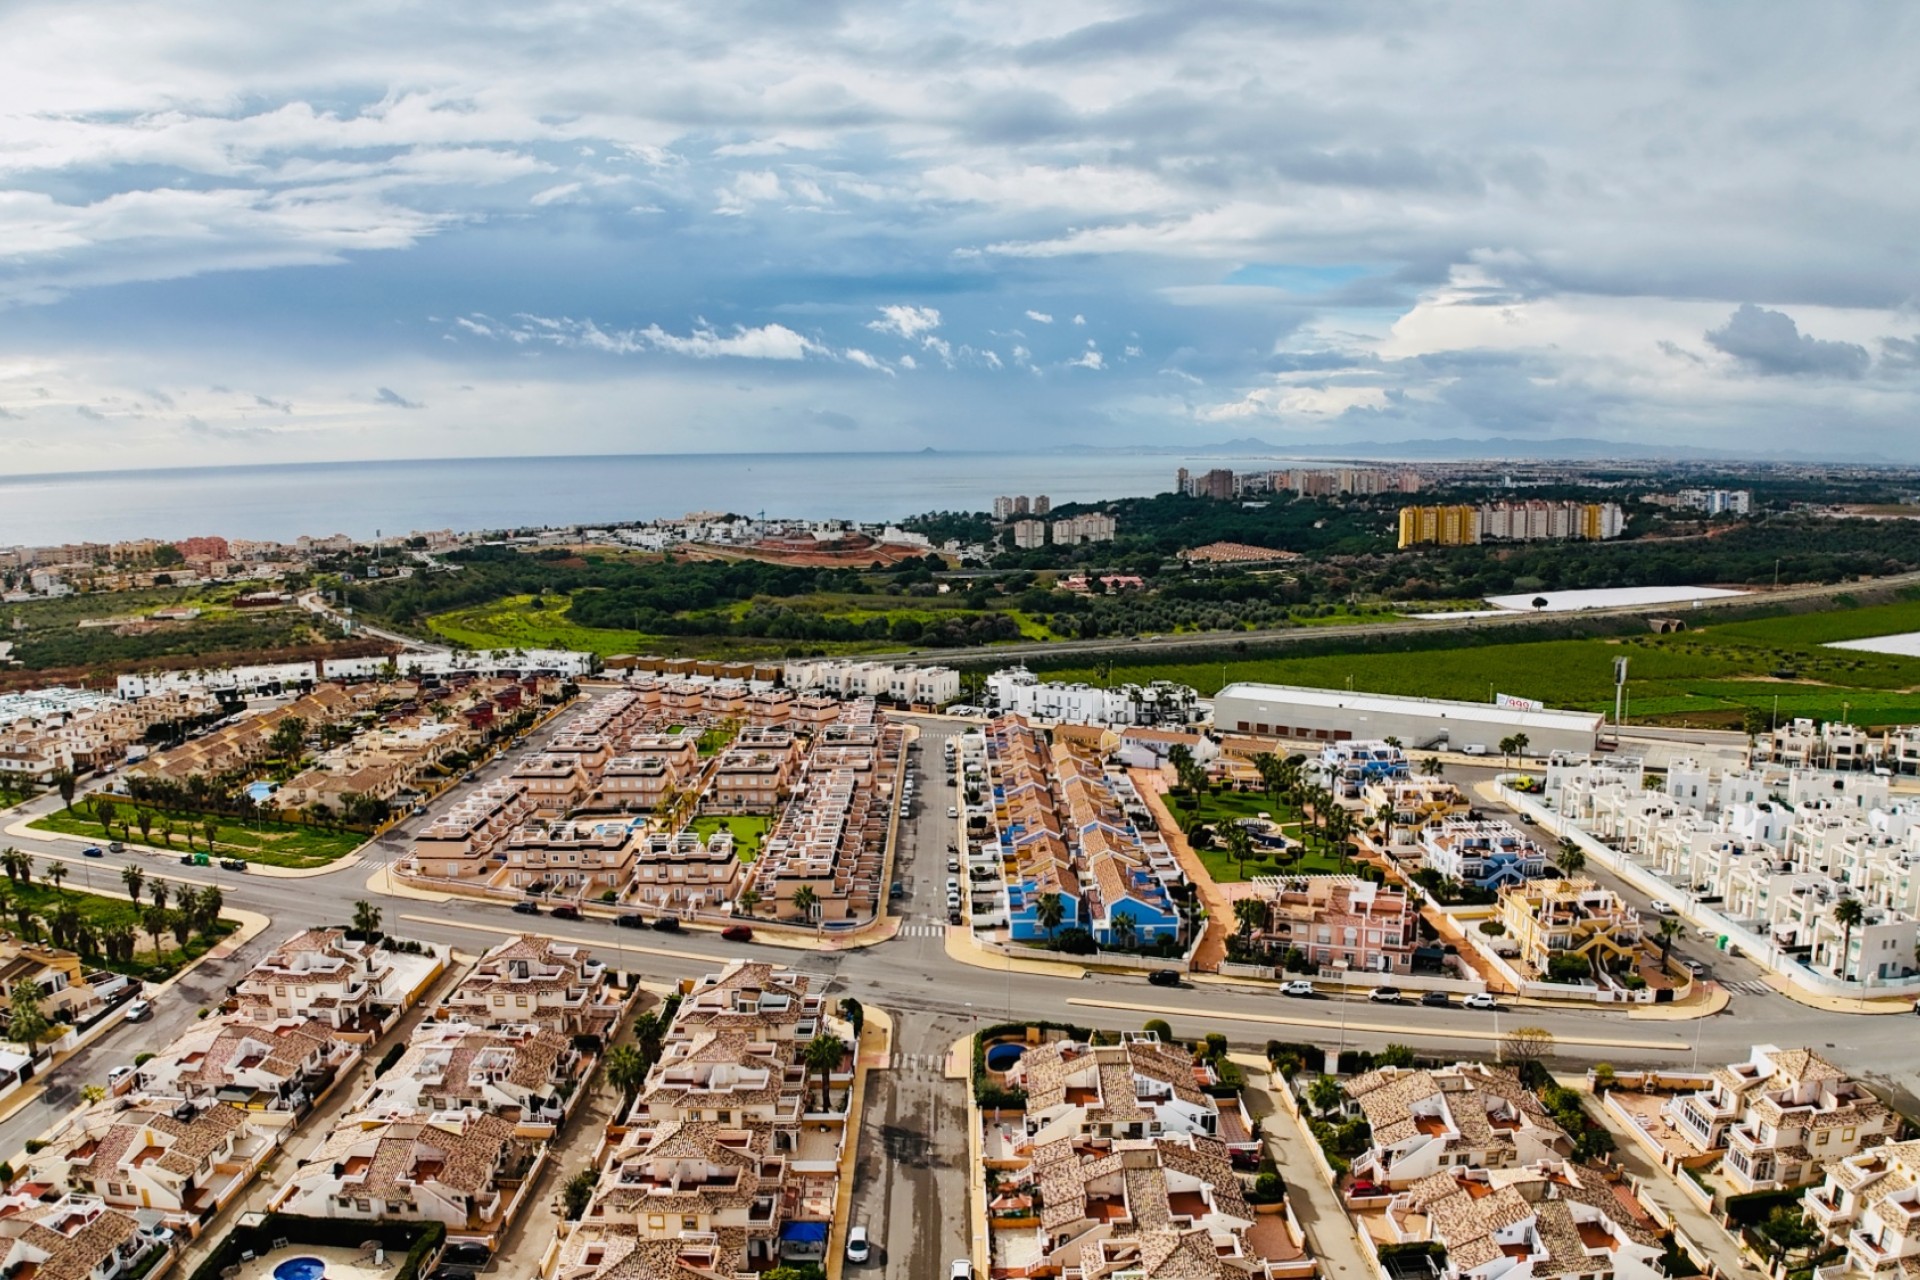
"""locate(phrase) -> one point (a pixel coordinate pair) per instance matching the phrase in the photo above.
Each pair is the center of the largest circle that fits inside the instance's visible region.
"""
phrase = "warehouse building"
(1335, 715)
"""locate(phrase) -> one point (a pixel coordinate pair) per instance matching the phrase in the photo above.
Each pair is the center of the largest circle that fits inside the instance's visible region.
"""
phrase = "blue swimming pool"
(1003, 1055)
(302, 1268)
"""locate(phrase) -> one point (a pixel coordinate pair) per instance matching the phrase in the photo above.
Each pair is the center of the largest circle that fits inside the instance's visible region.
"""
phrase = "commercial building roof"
(1394, 704)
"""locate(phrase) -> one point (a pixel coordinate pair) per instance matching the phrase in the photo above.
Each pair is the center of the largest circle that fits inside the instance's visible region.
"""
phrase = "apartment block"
(1073, 531)
(460, 1169)
(535, 981)
(1029, 534)
(1467, 1116)
(830, 838)
(1869, 1205)
(681, 872)
(1548, 918)
(1781, 1117)
(167, 1162)
(461, 842)
(516, 1073)
(1340, 922)
(1486, 854)
(272, 1070)
(580, 858)
(355, 989)
(73, 1237)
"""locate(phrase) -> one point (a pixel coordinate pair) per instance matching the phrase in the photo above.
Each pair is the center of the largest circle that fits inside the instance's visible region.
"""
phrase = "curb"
(25, 830)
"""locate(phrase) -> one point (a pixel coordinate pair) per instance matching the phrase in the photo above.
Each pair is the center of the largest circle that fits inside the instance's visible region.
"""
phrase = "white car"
(962, 1269)
(139, 1011)
(952, 812)
(1694, 967)
(1660, 908)
(859, 1248)
(1480, 1000)
(1298, 987)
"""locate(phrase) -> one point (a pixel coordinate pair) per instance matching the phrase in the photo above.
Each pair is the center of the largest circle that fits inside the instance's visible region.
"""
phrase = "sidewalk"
(1330, 1232)
(963, 949)
(1152, 785)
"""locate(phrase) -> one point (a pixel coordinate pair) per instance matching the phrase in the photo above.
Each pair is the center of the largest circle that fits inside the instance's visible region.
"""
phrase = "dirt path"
(1213, 944)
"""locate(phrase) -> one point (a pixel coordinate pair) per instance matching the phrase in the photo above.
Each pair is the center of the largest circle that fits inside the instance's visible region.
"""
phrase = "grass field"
(101, 913)
(1707, 676)
(748, 832)
(1217, 810)
(272, 844)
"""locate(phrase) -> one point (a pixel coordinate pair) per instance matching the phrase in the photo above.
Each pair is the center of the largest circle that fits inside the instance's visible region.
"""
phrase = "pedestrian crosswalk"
(915, 929)
(1748, 986)
(935, 1062)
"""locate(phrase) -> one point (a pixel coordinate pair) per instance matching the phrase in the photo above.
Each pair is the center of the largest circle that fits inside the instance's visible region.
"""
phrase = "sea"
(389, 499)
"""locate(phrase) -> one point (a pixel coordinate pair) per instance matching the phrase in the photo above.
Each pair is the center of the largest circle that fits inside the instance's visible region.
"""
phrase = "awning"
(804, 1232)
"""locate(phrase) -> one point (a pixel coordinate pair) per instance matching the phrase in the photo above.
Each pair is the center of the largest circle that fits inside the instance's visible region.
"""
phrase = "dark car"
(1436, 999)
(667, 924)
(93, 851)
(466, 1253)
(566, 911)
(453, 1273)
(737, 933)
(630, 921)
(234, 864)
(1164, 977)
(526, 908)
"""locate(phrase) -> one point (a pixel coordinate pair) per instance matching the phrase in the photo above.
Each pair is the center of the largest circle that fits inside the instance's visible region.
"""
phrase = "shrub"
(1492, 928)
(387, 1059)
(1160, 1027)
(1268, 1188)
(35, 1146)
(142, 1059)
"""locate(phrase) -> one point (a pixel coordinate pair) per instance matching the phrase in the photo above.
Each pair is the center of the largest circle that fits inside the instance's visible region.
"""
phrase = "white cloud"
(856, 356)
(1088, 360)
(553, 195)
(1079, 319)
(906, 322)
(1039, 317)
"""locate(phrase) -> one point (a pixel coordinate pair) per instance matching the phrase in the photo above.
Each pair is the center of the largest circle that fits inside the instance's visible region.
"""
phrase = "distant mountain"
(1512, 448)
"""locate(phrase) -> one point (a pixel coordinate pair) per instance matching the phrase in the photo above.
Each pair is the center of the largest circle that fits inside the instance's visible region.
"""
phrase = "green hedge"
(392, 1055)
(420, 1240)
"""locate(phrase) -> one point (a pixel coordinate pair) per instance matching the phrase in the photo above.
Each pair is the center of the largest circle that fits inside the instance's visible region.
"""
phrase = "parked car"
(1436, 1000)
(1710, 933)
(234, 864)
(93, 851)
(526, 908)
(897, 891)
(466, 1253)
(139, 1011)
(1385, 995)
(962, 1269)
(566, 911)
(737, 933)
(630, 921)
(667, 924)
(1299, 988)
(1659, 908)
(1694, 967)
(453, 1273)
(1362, 1187)
(953, 864)
(1480, 1000)
(1474, 749)
(859, 1247)
(116, 1076)
(1164, 977)
(116, 847)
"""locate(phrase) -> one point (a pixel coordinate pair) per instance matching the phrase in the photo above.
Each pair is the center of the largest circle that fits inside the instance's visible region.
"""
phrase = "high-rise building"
(1042, 505)
(1021, 506)
(1028, 534)
(1002, 509)
(1094, 526)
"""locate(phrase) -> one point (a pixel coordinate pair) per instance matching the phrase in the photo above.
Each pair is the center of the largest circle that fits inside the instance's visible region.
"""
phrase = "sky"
(245, 233)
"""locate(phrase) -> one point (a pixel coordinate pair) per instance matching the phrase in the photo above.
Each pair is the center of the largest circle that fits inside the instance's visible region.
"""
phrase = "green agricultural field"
(511, 623)
(748, 832)
(273, 844)
(1710, 676)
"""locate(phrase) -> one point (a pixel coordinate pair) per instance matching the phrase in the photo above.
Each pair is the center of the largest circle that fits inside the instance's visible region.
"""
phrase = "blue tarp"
(805, 1232)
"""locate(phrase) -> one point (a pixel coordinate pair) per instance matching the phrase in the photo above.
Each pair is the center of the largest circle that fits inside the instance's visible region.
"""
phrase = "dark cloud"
(1769, 342)
(1900, 353)
(387, 395)
(284, 406)
(90, 413)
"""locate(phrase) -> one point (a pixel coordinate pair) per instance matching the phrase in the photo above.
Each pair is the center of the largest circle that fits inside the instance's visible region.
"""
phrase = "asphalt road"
(909, 1184)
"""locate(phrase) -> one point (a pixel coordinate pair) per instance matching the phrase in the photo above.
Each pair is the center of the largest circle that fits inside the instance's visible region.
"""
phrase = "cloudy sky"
(256, 233)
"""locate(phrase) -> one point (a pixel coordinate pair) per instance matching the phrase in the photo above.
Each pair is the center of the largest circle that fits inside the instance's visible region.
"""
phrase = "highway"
(914, 1145)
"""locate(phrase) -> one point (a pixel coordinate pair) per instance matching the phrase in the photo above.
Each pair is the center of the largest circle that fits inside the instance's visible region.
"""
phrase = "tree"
(26, 1023)
(1125, 932)
(1669, 930)
(1159, 1027)
(1394, 1055)
(805, 900)
(212, 902)
(1433, 766)
(1847, 913)
(210, 828)
(155, 920)
(626, 1070)
(1251, 913)
(1520, 744)
(1787, 1232)
(65, 783)
(134, 878)
(1506, 749)
(366, 919)
(143, 818)
(1049, 911)
(1239, 844)
(166, 832)
(1603, 1077)
(103, 811)
(160, 891)
(1573, 859)
(577, 1193)
(93, 1094)
(855, 1014)
(1527, 1044)
(1539, 602)
(822, 1056)
(1324, 1094)
(55, 873)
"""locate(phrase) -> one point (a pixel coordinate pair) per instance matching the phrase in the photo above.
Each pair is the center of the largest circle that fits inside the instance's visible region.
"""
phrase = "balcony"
(1829, 1213)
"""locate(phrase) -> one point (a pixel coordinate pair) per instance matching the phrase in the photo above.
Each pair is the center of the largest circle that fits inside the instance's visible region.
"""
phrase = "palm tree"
(1125, 932)
(1847, 913)
(1239, 844)
(1383, 819)
(155, 920)
(1507, 748)
(133, 877)
(1251, 913)
(1049, 911)
(1573, 859)
(65, 783)
(1433, 766)
(1520, 744)
(748, 900)
(159, 891)
(821, 1056)
(56, 873)
(366, 918)
(805, 900)
(626, 1070)
(166, 832)
(143, 819)
(1669, 930)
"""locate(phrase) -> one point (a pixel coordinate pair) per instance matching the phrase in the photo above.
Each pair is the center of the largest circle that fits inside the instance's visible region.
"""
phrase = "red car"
(737, 933)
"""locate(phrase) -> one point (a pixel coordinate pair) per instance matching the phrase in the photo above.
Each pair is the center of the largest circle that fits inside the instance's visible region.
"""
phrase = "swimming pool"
(301, 1268)
(1003, 1055)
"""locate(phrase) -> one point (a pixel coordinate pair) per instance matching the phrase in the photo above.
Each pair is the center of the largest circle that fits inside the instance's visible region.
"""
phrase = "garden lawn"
(273, 844)
(748, 832)
(1218, 810)
(101, 913)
